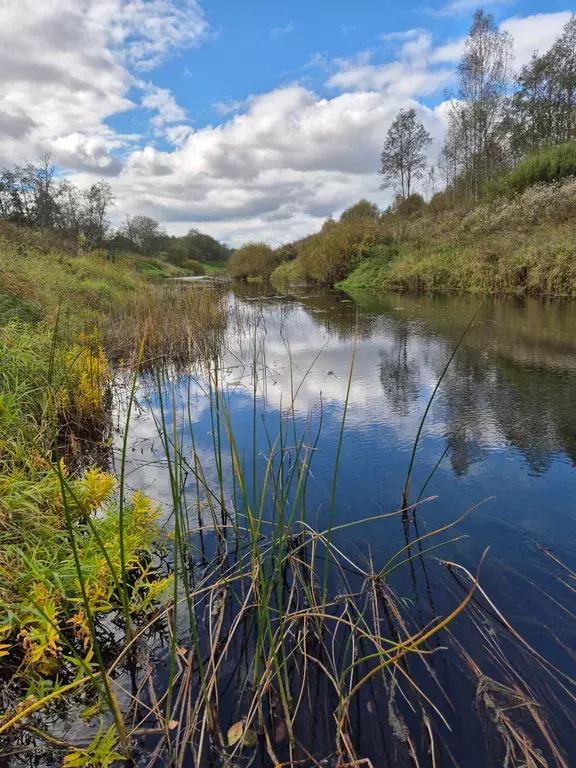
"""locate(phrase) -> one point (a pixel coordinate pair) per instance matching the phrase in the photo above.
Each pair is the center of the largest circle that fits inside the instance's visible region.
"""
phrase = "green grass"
(215, 267)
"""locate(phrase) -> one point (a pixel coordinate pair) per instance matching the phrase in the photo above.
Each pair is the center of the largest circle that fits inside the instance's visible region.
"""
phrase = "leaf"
(237, 732)
(250, 738)
(173, 724)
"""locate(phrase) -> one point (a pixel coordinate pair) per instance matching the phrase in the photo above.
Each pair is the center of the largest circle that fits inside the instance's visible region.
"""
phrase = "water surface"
(504, 417)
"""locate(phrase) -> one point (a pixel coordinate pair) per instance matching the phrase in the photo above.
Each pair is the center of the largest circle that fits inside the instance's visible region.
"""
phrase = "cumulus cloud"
(163, 103)
(460, 7)
(227, 107)
(279, 163)
(536, 32)
(413, 73)
(66, 70)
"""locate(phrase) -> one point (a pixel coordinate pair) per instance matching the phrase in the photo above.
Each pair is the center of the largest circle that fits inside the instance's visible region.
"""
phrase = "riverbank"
(199, 600)
(77, 548)
(523, 246)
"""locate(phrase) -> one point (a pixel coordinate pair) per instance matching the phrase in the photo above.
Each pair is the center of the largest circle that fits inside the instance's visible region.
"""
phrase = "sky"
(246, 119)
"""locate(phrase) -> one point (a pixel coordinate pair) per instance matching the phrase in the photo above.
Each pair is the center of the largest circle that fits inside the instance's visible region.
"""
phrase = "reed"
(277, 643)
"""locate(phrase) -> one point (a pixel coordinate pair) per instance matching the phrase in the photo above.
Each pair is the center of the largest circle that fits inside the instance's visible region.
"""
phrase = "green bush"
(289, 272)
(330, 256)
(253, 260)
(549, 165)
(177, 254)
(193, 266)
(410, 205)
(364, 209)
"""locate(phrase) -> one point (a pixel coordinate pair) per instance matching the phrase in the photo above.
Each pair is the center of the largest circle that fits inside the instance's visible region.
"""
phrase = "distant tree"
(202, 247)
(253, 260)
(403, 156)
(474, 147)
(328, 224)
(145, 232)
(98, 198)
(406, 206)
(364, 209)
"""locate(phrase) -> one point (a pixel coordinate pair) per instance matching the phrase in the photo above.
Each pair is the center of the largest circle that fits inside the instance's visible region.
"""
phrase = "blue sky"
(250, 120)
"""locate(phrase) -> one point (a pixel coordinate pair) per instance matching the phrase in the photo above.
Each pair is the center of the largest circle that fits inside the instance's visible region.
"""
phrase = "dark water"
(506, 406)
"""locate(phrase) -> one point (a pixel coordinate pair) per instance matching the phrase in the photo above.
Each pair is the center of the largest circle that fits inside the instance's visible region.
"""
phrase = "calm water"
(507, 406)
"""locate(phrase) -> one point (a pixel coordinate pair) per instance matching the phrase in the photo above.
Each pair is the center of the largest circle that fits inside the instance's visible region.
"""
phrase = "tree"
(145, 232)
(474, 147)
(253, 260)
(95, 224)
(202, 247)
(177, 254)
(544, 105)
(364, 209)
(403, 157)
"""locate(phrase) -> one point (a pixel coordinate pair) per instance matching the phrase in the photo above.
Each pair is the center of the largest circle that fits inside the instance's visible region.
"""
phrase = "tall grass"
(279, 643)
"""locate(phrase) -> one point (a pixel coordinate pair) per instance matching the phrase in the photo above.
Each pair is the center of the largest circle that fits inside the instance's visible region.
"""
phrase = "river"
(503, 423)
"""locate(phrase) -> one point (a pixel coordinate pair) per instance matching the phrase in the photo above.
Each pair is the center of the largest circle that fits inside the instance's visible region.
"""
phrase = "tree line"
(496, 118)
(33, 195)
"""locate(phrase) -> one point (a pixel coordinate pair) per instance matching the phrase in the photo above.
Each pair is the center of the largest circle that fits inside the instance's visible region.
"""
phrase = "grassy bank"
(78, 552)
(523, 246)
(517, 243)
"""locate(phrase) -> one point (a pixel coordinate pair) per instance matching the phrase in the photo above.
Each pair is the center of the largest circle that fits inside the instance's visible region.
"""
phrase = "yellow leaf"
(237, 732)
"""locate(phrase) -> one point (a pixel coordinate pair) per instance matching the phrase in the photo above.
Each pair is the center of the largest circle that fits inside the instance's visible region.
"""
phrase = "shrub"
(289, 272)
(364, 209)
(193, 266)
(412, 204)
(177, 254)
(330, 256)
(549, 165)
(253, 260)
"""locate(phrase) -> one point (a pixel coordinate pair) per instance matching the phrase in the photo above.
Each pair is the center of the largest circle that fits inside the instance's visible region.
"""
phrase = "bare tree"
(403, 157)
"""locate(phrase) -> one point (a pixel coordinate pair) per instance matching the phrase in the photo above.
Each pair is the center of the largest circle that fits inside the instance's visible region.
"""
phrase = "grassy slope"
(215, 267)
(526, 246)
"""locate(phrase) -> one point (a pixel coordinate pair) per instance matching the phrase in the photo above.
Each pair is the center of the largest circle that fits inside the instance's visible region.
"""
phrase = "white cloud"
(407, 34)
(65, 71)
(274, 169)
(163, 103)
(279, 31)
(536, 32)
(227, 107)
(462, 7)
(410, 75)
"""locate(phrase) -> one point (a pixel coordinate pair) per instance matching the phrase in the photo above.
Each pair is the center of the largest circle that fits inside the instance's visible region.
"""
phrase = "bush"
(253, 260)
(177, 254)
(412, 204)
(549, 165)
(364, 209)
(193, 266)
(330, 256)
(289, 272)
